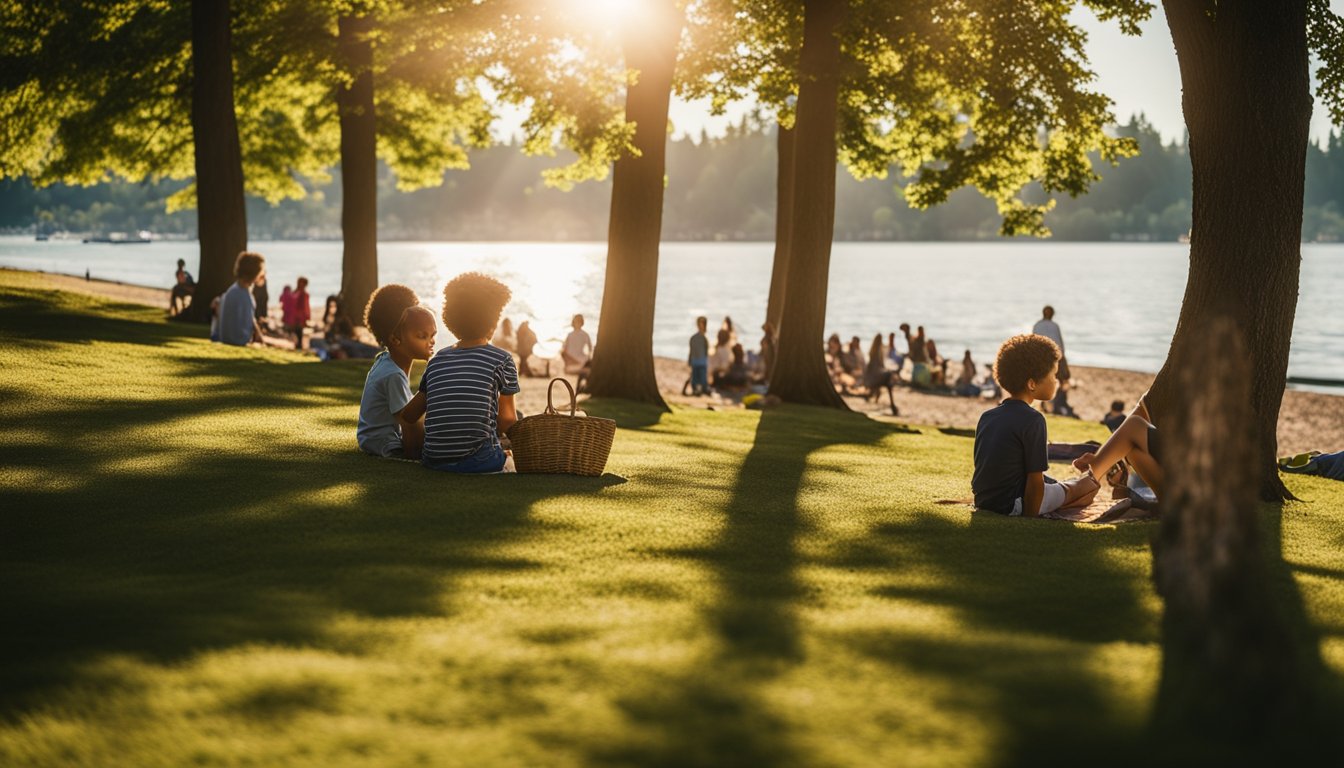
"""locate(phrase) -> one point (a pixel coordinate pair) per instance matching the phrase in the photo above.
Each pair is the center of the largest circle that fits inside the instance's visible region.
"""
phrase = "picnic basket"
(555, 443)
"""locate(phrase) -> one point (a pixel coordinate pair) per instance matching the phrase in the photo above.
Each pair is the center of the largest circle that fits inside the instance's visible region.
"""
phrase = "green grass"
(197, 567)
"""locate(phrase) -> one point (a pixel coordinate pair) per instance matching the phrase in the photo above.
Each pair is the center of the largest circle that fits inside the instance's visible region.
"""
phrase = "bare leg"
(1130, 442)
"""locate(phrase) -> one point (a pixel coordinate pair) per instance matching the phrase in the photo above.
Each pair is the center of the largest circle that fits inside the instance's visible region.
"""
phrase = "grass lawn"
(197, 567)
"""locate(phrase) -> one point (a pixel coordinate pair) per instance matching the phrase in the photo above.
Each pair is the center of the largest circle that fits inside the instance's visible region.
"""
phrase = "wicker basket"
(554, 443)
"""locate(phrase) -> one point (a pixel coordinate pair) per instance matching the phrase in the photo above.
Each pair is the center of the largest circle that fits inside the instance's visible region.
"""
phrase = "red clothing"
(301, 311)
(296, 312)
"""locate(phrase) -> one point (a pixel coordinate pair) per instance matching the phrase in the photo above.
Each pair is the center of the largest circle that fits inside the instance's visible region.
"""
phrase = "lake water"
(967, 295)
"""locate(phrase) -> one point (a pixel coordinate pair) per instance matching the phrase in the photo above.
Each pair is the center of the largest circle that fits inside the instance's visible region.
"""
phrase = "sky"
(1140, 75)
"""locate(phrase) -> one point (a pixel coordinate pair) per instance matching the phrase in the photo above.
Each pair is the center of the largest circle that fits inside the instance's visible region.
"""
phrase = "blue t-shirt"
(462, 389)
(236, 313)
(386, 391)
(1009, 443)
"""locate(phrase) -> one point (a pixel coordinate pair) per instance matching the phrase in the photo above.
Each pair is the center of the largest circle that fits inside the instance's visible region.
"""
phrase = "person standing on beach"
(296, 322)
(1048, 328)
(698, 358)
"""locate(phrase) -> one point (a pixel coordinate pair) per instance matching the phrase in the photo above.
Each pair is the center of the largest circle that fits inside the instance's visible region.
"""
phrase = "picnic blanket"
(1328, 465)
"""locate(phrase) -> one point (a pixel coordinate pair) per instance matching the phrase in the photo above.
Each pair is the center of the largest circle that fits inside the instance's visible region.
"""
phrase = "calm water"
(967, 295)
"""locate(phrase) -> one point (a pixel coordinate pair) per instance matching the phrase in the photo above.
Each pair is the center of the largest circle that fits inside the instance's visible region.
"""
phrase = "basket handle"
(573, 405)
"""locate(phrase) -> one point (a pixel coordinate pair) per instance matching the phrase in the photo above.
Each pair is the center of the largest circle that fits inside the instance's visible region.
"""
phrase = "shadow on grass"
(1031, 595)
(32, 320)
(715, 715)
(124, 540)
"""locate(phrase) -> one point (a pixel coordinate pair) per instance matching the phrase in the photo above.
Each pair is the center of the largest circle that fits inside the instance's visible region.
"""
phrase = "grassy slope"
(196, 566)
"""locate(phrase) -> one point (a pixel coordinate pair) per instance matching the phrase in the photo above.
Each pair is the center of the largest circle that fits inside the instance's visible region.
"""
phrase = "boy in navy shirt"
(466, 394)
(1010, 442)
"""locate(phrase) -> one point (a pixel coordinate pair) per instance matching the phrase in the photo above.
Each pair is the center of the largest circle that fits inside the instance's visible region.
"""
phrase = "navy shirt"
(462, 389)
(1009, 444)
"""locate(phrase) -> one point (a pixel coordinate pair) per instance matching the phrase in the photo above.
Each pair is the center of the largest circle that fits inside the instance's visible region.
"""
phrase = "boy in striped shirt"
(466, 393)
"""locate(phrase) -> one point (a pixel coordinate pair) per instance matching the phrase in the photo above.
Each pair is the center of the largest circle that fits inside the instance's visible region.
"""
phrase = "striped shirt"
(462, 389)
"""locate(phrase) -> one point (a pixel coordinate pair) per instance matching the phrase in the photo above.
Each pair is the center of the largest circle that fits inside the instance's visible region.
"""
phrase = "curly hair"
(248, 265)
(385, 308)
(471, 305)
(1025, 356)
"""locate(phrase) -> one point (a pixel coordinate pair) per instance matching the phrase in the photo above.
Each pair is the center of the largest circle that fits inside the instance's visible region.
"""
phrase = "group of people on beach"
(576, 352)
(730, 367)
(465, 400)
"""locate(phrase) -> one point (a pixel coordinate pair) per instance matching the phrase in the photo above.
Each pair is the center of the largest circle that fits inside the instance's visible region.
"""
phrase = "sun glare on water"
(549, 285)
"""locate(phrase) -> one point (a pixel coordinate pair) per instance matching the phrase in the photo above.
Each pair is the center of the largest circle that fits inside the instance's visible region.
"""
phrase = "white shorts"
(1052, 500)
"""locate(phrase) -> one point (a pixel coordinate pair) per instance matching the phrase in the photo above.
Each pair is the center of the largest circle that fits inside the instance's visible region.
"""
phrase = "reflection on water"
(967, 295)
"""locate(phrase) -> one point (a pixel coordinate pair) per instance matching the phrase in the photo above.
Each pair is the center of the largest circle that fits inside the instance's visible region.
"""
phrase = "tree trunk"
(359, 167)
(220, 212)
(774, 310)
(1229, 663)
(623, 356)
(800, 370)
(1247, 106)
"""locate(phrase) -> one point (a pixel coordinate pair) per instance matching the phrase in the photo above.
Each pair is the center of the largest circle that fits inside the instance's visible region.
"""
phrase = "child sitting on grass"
(1010, 441)
(466, 394)
(406, 332)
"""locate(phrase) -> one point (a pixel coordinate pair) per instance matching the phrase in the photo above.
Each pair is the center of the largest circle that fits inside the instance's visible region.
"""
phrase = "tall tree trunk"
(1229, 663)
(784, 142)
(220, 212)
(1247, 104)
(623, 356)
(800, 370)
(359, 167)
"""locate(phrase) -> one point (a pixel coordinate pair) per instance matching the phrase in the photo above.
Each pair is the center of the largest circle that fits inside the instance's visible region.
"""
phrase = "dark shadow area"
(626, 413)
(1049, 708)
(121, 543)
(30, 320)
(715, 716)
(957, 431)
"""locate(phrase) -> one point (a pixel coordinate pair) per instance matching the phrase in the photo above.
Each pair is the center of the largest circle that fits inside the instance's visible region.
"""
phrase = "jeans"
(490, 458)
(699, 376)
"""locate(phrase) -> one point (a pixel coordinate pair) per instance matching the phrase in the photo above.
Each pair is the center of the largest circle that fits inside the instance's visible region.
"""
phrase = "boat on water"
(122, 238)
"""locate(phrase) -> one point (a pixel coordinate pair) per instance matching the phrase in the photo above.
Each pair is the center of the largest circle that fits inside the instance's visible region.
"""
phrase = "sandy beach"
(1307, 420)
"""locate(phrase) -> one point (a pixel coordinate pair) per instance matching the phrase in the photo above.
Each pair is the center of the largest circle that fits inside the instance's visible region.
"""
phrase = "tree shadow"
(1019, 654)
(161, 528)
(714, 714)
(31, 320)
(626, 413)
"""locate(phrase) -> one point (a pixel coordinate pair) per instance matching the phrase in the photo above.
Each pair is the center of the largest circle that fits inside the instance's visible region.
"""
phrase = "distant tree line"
(719, 188)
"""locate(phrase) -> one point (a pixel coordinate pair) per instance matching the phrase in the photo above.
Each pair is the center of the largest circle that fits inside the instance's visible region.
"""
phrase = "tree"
(784, 140)
(221, 217)
(990, 94)
(1229, 662)
(800, 374)
(145, 90)
(1240, 60)
(562, 67)
(623, 357)
(359, 165)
